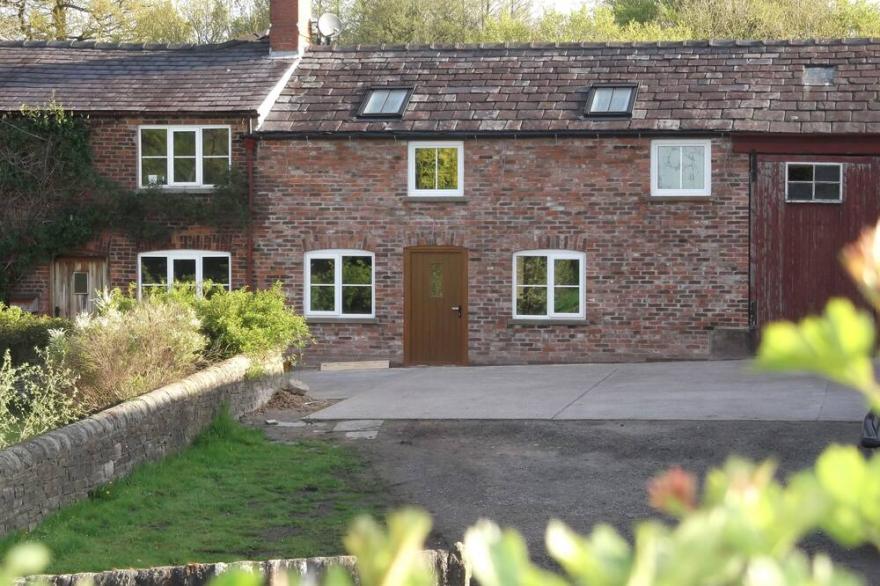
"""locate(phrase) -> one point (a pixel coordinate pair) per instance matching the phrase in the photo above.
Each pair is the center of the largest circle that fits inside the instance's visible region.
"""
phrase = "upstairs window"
(184, 156)
(813, 182)
(385, 102)
(339, 283)
(436, 169)
(165, 268)
(611, 100)
(548, 284)
(681, 168)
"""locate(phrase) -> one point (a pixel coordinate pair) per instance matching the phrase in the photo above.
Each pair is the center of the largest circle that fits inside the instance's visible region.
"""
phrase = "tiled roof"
(85, 76)
(748, 86)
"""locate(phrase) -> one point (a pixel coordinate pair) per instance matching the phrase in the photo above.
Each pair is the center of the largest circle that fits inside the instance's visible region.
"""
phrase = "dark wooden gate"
(796, 245)
(435, 302)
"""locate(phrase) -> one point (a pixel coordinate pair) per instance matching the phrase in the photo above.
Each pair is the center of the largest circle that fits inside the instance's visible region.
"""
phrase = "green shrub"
(21, 332)
(256, 323)
(122, 354)
(35, 398)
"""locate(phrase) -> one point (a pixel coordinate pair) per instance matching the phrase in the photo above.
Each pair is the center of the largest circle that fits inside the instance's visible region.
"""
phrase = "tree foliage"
(456, 21)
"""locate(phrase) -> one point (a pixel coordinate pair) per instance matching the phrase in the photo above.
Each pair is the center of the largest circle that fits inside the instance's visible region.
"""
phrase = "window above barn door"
(813, 182)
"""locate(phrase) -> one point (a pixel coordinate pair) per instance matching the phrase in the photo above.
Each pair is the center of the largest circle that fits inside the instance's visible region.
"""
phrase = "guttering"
(470, 134)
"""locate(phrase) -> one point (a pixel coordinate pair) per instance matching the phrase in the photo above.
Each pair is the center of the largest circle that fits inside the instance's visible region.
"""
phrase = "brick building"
(511, 204)
(174, 117)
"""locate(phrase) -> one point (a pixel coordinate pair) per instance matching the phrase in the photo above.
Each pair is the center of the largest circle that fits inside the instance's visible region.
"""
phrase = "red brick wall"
(114, 148)
(661, 274)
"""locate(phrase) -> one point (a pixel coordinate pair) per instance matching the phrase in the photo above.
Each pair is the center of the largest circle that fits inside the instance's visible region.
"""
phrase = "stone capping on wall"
(448, 569)
(60, 467)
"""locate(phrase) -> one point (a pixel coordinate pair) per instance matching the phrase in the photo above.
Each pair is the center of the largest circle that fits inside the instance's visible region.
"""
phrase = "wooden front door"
(796, 243)
(435, 300)
(75, 283)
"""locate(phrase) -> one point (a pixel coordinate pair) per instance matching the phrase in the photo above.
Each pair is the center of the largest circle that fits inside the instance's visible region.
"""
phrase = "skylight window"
(818, 74)
(611, 100)
(385, 102)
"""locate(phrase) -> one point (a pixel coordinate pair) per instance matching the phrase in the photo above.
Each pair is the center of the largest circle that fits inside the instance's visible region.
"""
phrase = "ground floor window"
(548, 284)
(165, 268)
(340, 283)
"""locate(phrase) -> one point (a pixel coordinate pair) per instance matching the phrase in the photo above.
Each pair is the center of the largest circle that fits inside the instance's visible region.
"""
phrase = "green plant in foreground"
(35, 398)
(23, 560)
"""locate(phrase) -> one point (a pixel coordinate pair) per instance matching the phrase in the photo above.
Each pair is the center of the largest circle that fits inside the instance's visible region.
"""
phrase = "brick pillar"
(289, 29)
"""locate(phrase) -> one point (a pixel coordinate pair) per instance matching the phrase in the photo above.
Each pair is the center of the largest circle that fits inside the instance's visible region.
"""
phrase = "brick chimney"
(289, 26)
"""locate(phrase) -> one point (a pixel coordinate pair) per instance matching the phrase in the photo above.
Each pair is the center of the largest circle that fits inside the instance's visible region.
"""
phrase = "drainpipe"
(250, 146)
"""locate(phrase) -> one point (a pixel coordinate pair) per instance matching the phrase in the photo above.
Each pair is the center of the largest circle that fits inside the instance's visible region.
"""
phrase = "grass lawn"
(232, 495)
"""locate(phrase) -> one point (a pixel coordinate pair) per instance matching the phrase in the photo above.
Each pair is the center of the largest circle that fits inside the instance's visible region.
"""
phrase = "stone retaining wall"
(448, 568)
(43, 474)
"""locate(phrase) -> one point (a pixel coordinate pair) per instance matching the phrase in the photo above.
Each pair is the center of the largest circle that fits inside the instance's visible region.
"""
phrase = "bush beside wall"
(42, 475)
(21, 332)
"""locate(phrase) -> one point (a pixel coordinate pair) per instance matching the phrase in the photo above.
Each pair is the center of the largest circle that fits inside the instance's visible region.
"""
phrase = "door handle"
(456, 308)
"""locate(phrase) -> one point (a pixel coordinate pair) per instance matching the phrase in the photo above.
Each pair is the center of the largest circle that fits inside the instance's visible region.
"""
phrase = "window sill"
(665, 198)
(435, 199)
(341, 320)
(546, 322)
(200, 189)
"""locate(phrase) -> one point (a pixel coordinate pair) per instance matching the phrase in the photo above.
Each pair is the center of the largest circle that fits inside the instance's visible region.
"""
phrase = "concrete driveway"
(724, 390)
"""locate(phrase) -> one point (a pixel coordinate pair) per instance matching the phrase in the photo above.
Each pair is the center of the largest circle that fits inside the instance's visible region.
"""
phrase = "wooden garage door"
(797, 238)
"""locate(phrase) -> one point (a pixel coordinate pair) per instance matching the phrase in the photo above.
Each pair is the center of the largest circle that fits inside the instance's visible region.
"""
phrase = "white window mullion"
(169, 272)
(199, 156)
(680, 168)
(551, 285)
(337, 285)
(169, 149)
(199, 274)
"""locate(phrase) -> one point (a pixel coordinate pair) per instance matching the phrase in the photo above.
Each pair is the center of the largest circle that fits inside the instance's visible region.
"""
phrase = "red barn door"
(804, 210)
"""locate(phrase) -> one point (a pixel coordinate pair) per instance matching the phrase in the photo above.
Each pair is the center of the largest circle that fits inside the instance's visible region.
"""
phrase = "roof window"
(819, 74)
(389, 102)
(611, 100)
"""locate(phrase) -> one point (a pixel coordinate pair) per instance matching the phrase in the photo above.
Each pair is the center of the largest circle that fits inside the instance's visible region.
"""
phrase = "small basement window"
(611, 100)
(814, 182)
(385, 102)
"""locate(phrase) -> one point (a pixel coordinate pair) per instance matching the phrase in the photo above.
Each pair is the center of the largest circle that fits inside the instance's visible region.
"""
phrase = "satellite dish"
(329, 25)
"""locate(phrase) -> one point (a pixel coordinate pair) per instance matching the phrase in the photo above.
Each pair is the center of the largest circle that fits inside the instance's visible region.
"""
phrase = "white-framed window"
(184, 156)
(549, 284)
(340, 283)
(681, 168)
(436, 169)
(165, 268)
(813, 182)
